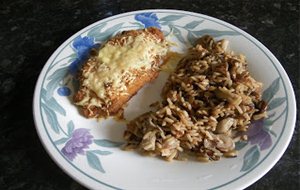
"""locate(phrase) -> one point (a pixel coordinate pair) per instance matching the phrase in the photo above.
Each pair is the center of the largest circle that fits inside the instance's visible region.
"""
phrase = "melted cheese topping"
(116, 63)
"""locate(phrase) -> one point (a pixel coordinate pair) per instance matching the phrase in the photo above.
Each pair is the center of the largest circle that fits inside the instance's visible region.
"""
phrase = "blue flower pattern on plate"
(79, 140)
(64, 91)
(148, 19)
(82, 47)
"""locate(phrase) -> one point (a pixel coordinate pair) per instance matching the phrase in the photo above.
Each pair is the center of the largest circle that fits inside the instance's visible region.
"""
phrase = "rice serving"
(208, 104)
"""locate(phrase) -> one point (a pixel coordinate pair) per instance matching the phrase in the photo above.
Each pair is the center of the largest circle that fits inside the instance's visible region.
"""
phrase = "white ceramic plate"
(89, 151)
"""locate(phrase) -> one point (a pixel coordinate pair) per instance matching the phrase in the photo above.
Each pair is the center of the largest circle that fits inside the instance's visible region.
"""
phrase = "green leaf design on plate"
(269, 130)
(95, 31)
(71, 127)
(101, 152)
(51, 86)
(55, 78)
(51, 118)
(193, 24)
(58, 73)
(108, 32)
(271, 115)
(75, 84)
(215, 33)
(113, 29)
(268, 122)
(276, 102)
(240, 145)
(61, 141)
(166, 33)
(107, 143)
(170, 18)
(94, 161)
(191, 38)
(269, 93)
(250, 158)
(70, 58)
(178, 34)
(52, 103)
(165, 23)
(137, 24)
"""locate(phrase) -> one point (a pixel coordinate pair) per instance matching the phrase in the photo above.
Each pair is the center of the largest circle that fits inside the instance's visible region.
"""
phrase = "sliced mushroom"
(224, 125)
(148, 142)
(221, 45)
(232, 153)
(208, 144)
(224, 93)
(225, 143)
(260, 116)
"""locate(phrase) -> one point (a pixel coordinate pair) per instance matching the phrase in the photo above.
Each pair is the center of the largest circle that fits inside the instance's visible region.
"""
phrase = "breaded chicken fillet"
(115, 72)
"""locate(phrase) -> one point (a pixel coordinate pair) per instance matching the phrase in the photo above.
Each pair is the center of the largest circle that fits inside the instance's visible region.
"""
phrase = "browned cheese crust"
(115, 101)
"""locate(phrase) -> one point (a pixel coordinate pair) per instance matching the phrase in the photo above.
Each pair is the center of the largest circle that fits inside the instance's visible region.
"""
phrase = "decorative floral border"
(77, 141)
(260, 132)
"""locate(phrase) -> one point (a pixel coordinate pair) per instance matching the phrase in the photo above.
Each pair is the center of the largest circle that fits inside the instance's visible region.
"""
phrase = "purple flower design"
(148, 19)
(82, 47)
(80, 140)
(257, 135)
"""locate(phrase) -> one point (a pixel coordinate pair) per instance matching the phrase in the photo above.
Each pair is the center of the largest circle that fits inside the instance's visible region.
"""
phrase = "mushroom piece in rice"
(208, 104)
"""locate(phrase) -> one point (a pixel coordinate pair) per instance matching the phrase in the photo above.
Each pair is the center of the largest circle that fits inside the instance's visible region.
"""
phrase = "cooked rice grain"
(208, 104)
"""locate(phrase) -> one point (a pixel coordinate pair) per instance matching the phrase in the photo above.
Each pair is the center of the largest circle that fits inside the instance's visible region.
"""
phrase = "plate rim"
(285, 80)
